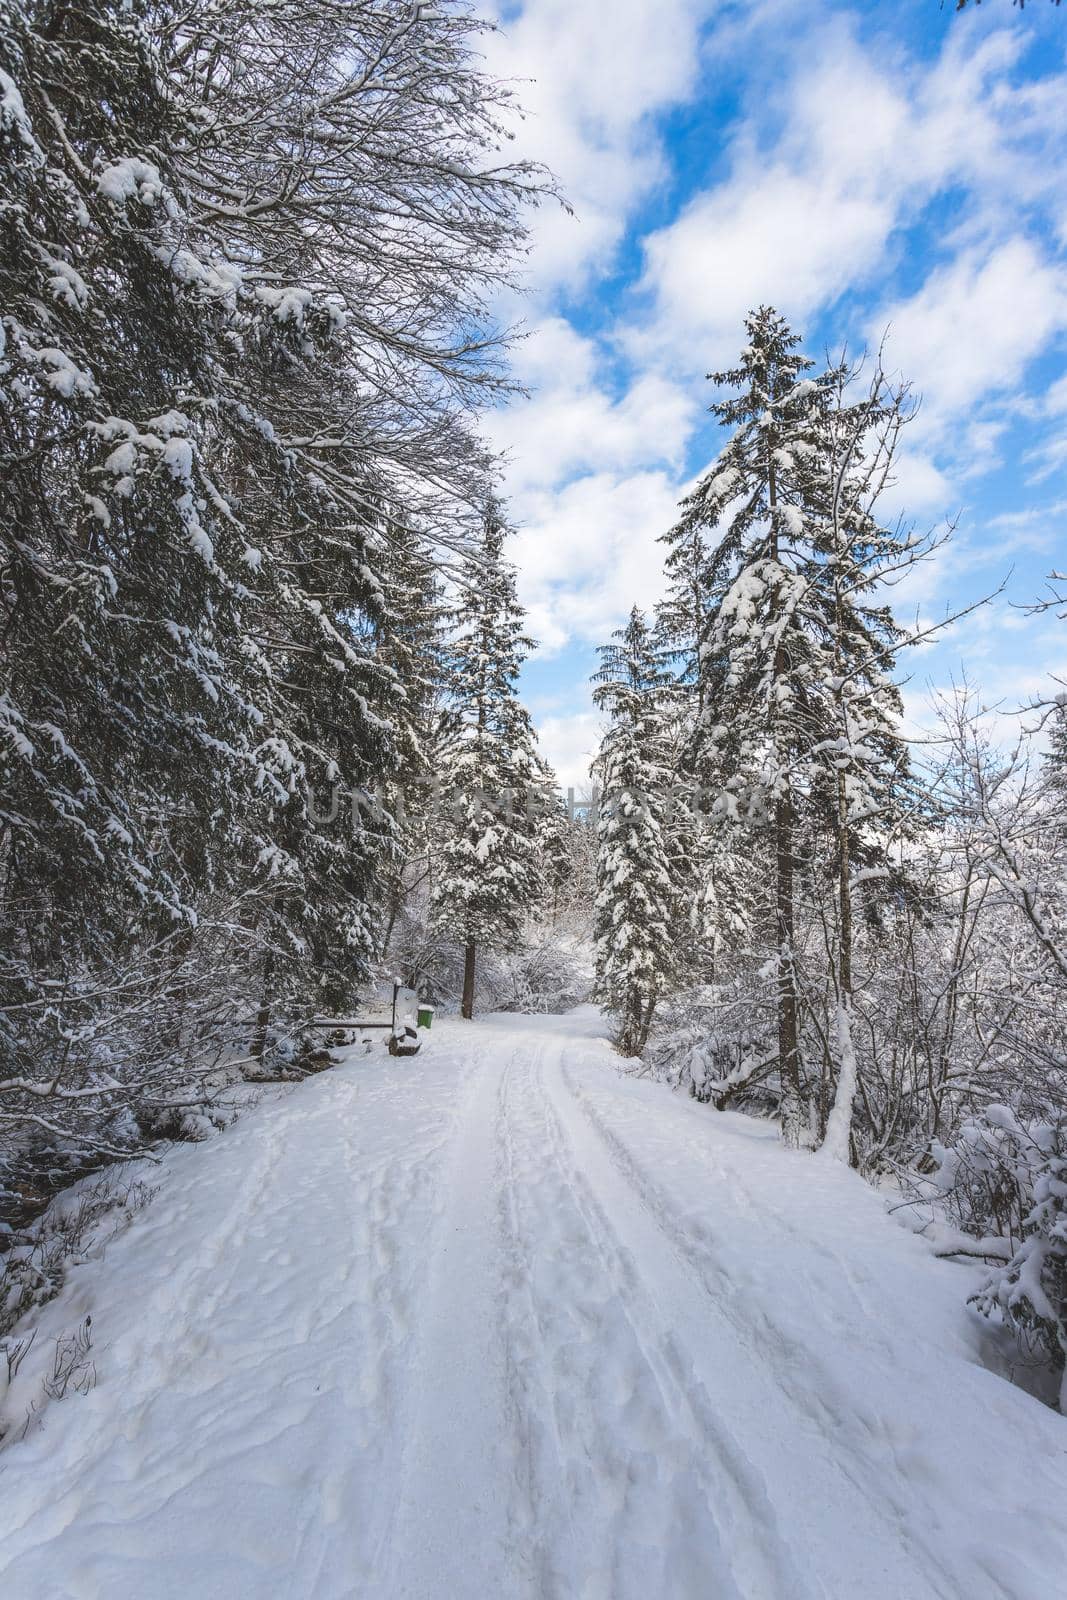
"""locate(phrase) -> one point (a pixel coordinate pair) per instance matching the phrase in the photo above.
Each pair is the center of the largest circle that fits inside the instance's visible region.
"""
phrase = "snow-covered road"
(498, 1323)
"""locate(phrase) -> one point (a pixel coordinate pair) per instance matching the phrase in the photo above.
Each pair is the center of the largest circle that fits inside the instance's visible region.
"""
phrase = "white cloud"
(1056, 398)
(572, 425)
(593, 79)
(1004, 685)
(973, 326)
(569, 744)
(860, 149)
(964, 341)
(588, 552)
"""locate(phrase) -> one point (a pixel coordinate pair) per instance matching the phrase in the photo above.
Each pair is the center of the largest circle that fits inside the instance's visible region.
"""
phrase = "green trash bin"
(425, 1016)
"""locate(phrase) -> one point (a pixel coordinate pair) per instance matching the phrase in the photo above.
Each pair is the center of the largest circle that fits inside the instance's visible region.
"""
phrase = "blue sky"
(863, 167)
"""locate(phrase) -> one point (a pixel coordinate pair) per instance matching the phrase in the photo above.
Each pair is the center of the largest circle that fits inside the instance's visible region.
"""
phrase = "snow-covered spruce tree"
(553, 830)
(127, 721)
(1029, 1293)
(1056, 755)
(791, 660)
(413, 643)
(173, 690)
(729, 537)
(485, 877)
(205, 405)
(635, 957)
(711, 857)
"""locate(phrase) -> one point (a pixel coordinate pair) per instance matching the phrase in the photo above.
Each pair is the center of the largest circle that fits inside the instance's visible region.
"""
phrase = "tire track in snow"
(627, 1498)
(805, 1381)
(447, 1532)
(384, 1206)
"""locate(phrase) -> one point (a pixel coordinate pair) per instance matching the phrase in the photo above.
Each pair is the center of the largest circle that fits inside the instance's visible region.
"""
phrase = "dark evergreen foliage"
(244, 263)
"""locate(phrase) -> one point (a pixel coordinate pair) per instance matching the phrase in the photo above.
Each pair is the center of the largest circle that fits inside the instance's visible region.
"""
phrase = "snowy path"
(497, 1323)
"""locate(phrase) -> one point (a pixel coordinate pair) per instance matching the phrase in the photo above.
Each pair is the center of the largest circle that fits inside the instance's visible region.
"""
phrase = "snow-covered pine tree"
(635, 954)
(413, 642)
(711, 857)
(485, 878)
(553, 830)
(730, 538)
(190, 602)
(127, 720)
(207, 397)
(792, 658)
(1056, 756)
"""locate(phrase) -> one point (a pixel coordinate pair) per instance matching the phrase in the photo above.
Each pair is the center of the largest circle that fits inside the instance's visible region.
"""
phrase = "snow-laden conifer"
(774, 559)
(485, 877)
(635, 956)
(246, 263)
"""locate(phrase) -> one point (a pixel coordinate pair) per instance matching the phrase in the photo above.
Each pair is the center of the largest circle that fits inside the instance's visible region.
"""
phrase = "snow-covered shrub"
(717, 1041)
(189, 1121)
(543, 977)
(1029, 1293)
(987, 1175)
(424, 957)
(36, 1259)
(1003, 1182)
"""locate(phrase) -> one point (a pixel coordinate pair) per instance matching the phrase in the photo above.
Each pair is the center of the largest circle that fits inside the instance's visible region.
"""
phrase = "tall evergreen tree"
(797, 711)
(244, 265)
(412, 641)
(1056, 755)
(635, 957)
(553, 829)
(732, 529)
(190, 606)
(485, 873)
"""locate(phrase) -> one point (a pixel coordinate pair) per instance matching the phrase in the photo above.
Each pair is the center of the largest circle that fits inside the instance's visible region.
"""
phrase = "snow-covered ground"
(497, 1322)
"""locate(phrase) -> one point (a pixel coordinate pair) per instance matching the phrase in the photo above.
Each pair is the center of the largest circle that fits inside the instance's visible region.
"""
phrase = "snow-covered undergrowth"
(550, 971)
(77, 1227)
(992, 1190)
(501, 1321)
(1004, 1182)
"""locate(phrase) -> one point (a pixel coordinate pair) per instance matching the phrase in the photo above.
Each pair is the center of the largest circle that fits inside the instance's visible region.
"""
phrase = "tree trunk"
(259, 1039)
(844, 892)
(788, 1051)
(838, 1140)
(645, 1024)
(467, 1008)
(395, 896)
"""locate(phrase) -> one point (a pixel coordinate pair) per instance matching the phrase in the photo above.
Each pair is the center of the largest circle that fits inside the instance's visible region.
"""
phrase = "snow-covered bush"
(545, 973)
(36, 1259)
(988, 1173)
(1027, 1170)
(717, 1041)
(543, 977)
